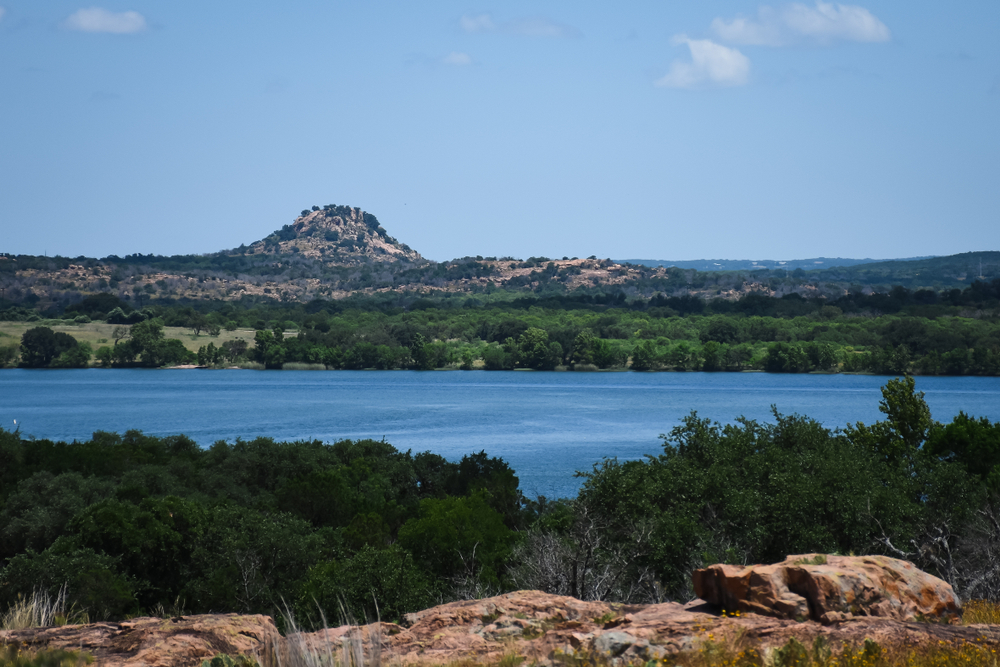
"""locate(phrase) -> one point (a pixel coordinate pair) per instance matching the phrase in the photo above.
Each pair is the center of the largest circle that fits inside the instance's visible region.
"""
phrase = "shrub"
(14, 657)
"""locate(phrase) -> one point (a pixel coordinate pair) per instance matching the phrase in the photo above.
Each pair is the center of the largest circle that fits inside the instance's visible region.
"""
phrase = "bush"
(91, 579)
(353, 587)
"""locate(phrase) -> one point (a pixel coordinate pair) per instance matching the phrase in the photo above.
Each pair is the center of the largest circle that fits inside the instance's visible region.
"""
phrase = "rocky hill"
(336, 252)
(336, 234)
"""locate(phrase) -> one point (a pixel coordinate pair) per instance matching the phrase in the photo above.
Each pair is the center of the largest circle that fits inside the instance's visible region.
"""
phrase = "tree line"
(953, 332)
(133, 523)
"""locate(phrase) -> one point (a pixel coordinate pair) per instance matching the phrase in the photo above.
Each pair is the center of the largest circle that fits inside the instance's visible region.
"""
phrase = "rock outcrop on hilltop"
(336, 234)
(550, 629)
(828, 588)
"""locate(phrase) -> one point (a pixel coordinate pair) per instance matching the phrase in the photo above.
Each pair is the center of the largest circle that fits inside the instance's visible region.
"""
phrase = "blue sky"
(666, 129)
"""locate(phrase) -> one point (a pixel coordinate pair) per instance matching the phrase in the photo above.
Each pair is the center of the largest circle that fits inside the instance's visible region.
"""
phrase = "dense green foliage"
(953, 332)
(132, 523)
(903, 332)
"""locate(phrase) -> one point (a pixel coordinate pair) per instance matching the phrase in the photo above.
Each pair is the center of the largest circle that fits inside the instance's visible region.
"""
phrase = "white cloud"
(766, 30)
(711, 63)
(829, 21)
(533, 26)
(457, 59)
(477, 23)
(823, 23)
(2, 12)
(96, 19)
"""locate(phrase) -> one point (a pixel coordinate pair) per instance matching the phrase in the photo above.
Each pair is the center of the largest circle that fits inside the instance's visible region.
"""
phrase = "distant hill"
(950, 271)
(336, 252)
(752, 265)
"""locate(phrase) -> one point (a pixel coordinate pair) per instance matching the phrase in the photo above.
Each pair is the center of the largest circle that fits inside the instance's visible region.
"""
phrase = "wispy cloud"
(2, 12)
(825, 22)
(710, 64)
(96, 19)
(457, 59)
(477, 23)
(532, 26)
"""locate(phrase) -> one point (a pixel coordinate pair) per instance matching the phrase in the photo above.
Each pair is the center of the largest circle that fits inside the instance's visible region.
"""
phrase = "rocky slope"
(551, 629)
(336, 234)
(546, 629)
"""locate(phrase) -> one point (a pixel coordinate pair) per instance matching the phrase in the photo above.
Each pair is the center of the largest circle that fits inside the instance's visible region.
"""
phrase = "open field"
(101, 333)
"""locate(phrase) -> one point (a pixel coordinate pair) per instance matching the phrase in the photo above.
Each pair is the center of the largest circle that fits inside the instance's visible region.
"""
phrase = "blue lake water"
(546, 425)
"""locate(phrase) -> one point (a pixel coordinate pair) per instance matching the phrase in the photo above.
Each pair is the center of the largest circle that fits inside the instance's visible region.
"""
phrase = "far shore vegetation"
(946, 332)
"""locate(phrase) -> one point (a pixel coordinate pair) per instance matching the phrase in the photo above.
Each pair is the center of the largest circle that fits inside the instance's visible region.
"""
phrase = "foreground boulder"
(183, 641)
(829, 589)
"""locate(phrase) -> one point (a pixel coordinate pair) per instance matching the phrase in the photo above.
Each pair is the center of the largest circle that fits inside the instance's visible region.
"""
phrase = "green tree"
(40, 508)
(643, 356)
(582, 352)
(713, 354)
(460, 538)
(41, 345)
(268, 349)
(606, 355)
(92, 580)
(151, 541)
(248, 561)
(497, 358)
(104, 356)
(77, 356)
(421, 353)
(908, 421)
(536, 352)
(972, 443)
(786, 358)
(372, 584)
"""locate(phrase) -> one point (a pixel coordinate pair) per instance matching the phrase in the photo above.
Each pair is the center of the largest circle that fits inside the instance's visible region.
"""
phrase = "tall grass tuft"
(348, 651)
(40, 611)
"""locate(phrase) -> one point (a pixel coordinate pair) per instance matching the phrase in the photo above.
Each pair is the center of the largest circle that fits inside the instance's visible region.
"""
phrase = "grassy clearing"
(101, 333)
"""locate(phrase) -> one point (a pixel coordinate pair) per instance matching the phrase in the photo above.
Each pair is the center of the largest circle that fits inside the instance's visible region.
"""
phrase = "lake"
(546, 425)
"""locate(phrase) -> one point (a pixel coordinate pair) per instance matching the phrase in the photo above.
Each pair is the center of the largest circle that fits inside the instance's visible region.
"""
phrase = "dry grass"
(980, 611)
(40, 611)
(348, 651)
(822, 654)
